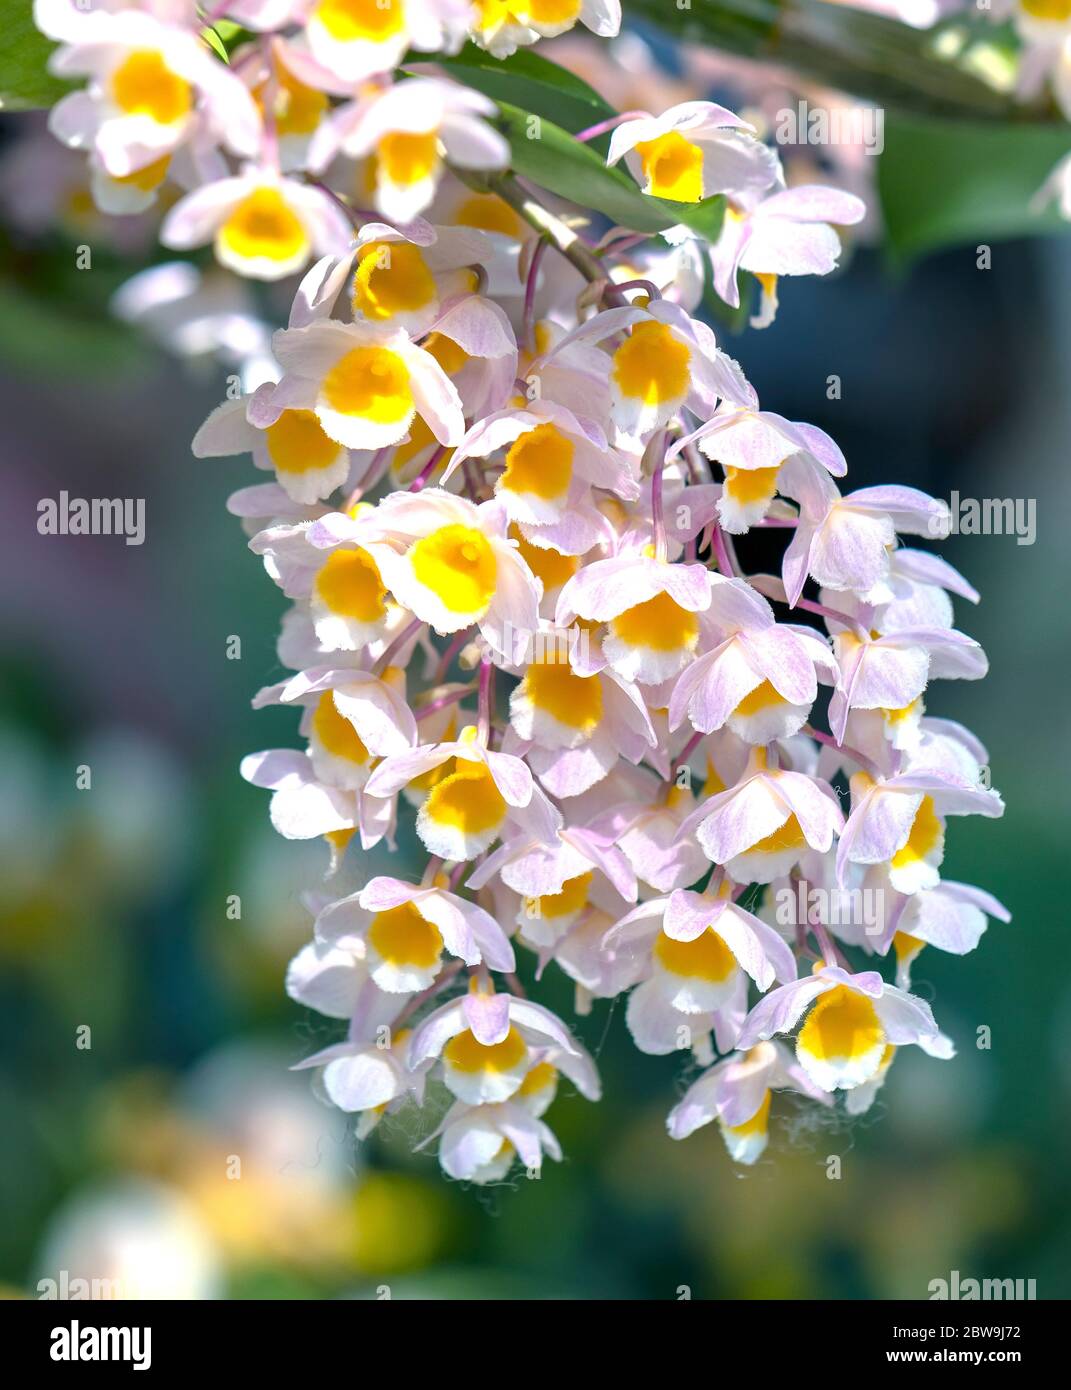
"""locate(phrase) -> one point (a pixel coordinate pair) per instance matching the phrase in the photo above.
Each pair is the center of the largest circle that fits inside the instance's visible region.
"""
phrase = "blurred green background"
(113, 901)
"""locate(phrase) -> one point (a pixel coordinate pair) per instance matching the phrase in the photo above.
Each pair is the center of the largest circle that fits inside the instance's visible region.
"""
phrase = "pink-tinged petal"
(512, 778)
(689, 586)
(277, 768)
(886, 675)
(923, 567)
(479, 327)
(566, 772)
(319, 288)
(954, 656)
(689, 914)
(877, 827)
(608, 858)
(494, 946)
(484, 872)
(380, 894)
(540, 818)
(801, 479)
(725, 678)
(602, 590)
(743, 1092)
(523, 1131)
(581, 528)
(701, 1103)
(781, 1009)
(780, 247)
(783, 660)
(226, 432)
(851, 549)
(432, 1035)
(363, 1081)
(725, 258)
(344, 923)
(304, 813)
(465, 1146)
(398, 771)
(905, 1018)
(514, 611)
(537, 1019)
(953, 796)
(325, 1055)
(796, 560)
(938, 917)
(488, 1016)
(814, 202)
(820, 446)
(376, 820)
(752, 942)
(194, 219)
(326, 979)
(957, 733)
(435, 395)
(445, 912)
(911, 511)
(738, 818)
(976, 897)
(383, 719)
(655, 1026)
(640, 926)
(867, 982)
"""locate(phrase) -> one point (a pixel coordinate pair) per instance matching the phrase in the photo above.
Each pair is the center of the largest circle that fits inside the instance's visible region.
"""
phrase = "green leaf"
(532, 82)
(25, 83)
(215, 42)
(953, 183)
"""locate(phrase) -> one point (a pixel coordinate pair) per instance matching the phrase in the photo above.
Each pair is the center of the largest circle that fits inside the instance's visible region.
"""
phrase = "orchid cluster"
(511, 470)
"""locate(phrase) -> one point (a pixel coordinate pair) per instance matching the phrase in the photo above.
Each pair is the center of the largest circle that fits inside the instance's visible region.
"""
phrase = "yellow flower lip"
(672, 167)
(705, 958)
(263, 227)
(458, 565)
(297, 443)
(349, 584)
(144, 85)
(406, 157)
(391, 278)
(361, 21)
(401, 936)
(651, 365)
(371, 383)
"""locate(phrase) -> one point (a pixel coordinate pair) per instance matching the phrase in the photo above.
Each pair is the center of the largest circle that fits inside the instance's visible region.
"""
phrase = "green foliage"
(25, 82)
(949, 183)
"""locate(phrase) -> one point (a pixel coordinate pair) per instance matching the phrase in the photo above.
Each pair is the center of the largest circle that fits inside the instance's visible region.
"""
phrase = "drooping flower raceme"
(510, 468)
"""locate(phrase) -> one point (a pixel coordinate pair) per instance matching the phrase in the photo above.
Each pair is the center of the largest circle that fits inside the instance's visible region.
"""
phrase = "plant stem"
(560, 236)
